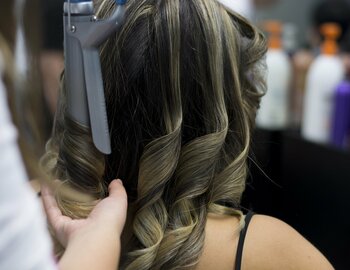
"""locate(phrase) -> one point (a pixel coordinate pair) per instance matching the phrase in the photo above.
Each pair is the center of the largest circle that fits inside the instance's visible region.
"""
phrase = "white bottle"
(325, 74)
(274, 109)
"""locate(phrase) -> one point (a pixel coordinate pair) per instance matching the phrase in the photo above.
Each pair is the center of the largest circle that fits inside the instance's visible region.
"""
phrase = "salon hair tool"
(83, 34)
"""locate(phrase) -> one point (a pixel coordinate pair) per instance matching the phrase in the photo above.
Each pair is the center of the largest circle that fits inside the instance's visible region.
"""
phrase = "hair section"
(182, 86)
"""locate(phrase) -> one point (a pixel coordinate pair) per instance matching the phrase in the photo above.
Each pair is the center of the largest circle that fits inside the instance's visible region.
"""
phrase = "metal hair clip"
(83, 34)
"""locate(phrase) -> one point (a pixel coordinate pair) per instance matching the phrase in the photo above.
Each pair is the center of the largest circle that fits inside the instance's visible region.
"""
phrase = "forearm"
(92, 249)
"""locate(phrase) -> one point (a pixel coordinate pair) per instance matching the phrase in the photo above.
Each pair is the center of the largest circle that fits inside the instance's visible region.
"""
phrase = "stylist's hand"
(94, 241)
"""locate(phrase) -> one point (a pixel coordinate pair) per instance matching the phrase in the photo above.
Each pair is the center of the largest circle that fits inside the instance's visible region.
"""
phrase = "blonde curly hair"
(182, 84)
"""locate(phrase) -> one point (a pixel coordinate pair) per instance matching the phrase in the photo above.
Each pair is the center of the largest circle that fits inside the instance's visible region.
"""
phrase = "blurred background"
(300, 167)
(297, 12)
(300, 159)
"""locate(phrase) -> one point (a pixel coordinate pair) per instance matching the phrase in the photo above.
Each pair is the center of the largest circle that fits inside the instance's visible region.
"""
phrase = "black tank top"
(242, 236)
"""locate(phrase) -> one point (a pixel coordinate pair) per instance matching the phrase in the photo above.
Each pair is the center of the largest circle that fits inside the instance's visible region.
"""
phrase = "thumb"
(118, 195)
(116, 190)
(112, 209)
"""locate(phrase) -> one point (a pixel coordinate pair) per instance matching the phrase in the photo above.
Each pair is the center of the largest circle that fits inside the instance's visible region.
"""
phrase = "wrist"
(93, 232)
(92, 248)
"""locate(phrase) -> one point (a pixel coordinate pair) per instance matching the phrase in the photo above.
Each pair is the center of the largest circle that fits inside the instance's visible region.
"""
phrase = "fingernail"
(120, 181)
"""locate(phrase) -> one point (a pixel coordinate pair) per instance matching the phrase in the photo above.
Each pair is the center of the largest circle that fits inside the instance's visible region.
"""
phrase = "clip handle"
(96, 100)
(85, 95)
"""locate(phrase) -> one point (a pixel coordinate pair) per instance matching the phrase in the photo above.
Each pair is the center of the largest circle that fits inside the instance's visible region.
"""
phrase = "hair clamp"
(83, 34)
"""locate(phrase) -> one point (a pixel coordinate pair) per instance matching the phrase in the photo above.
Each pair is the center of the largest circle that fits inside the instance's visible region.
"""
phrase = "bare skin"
(94, 242)
(270, 245)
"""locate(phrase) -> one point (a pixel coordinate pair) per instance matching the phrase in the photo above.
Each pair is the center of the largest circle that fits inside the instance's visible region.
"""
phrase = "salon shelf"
(310, 190)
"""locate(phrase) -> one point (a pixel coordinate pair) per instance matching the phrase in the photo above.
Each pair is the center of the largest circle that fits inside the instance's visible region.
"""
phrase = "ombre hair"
(182, 83)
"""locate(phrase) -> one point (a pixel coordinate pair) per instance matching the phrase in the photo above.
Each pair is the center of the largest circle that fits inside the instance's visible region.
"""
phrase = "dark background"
(309, 188)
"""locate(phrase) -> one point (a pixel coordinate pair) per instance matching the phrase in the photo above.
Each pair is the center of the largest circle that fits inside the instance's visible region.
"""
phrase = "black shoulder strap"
(241, 241)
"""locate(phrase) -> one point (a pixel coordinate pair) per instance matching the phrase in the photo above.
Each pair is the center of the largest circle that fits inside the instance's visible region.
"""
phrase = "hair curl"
(182, 85)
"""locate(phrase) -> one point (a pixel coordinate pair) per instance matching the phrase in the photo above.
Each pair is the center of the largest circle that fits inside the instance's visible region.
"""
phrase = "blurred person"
(24, 239)
(183, 80)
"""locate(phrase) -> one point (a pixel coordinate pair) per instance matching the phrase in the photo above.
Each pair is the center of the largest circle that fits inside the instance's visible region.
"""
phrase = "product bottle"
(325, 74)
(340, 135)
(302, 61)
(274, 110)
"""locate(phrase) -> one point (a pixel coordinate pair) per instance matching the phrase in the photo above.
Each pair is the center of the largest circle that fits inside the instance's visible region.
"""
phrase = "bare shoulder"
(221, 239)
(272, 244)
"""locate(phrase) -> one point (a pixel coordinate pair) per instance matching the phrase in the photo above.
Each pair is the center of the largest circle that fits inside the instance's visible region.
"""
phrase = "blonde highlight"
(181, 107)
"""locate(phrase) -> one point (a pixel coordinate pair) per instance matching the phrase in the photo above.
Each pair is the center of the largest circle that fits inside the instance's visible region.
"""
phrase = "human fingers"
(57, 221)
(116, 190)
(50, 204)
(118, 194)
(113, 209)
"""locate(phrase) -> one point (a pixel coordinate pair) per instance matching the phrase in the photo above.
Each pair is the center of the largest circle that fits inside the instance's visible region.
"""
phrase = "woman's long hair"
(182, 85)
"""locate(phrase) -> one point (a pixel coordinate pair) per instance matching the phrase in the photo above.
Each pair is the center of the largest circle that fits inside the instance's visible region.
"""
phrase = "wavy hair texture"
(183, 84)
